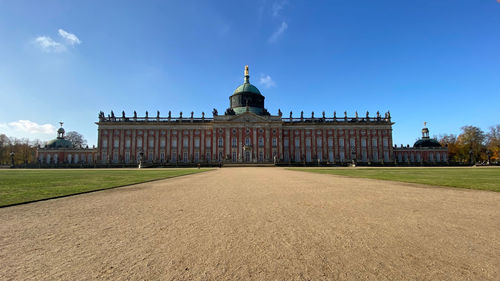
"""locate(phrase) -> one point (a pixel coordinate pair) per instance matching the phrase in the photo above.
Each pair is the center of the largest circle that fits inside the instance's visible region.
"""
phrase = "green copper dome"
(59, 143)
(246, 98)
(246, 88)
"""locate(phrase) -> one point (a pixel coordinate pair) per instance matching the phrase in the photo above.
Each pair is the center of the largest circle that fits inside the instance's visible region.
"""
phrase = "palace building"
(248, 133)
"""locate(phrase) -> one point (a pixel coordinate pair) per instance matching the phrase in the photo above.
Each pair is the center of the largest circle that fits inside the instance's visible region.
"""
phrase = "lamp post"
(12, 154)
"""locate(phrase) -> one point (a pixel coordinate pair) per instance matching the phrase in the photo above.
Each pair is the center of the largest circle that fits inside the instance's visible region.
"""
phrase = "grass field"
(483, 178)
(18, 186)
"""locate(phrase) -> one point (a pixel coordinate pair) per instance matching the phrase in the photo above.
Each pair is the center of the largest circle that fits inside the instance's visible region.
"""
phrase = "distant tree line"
(473, 145)
(24, 150)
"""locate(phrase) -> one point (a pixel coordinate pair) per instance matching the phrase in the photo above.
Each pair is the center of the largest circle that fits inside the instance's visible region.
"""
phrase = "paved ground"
(256, 224)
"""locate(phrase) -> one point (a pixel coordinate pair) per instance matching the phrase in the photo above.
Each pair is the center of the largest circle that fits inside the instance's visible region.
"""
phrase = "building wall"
(254, 141)
(67, 156)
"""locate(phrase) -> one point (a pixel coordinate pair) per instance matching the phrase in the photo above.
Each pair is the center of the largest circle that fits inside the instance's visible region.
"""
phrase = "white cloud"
(70, 38)
(267, 81)
(47, 44)
(29, 127)
(274, 37)
(278, 7)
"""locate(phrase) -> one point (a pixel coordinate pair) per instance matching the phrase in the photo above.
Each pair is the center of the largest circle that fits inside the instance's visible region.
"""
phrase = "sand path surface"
(256, 224)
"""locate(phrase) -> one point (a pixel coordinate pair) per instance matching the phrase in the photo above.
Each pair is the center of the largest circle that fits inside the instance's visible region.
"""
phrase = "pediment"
(247, 117)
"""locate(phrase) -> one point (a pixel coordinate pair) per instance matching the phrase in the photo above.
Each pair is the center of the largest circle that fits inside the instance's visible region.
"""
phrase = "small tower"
(425, 132)
(60, 131)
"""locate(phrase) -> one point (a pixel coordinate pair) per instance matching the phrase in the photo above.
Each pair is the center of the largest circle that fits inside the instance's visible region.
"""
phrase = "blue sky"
(434, 61)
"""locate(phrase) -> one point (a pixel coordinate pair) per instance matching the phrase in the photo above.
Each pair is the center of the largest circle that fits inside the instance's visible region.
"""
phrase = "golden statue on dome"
(246, 70)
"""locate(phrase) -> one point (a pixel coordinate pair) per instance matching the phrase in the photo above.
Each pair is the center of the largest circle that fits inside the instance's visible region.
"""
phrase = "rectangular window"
(174, 142)
(105, 143)
(150, 155)
(261, 141)
(285, 142)
(341, 142)
(275, 142)
(374, 142)
(352, 142)
(162, 156)
(234, 156)
(151, 142)
(162, 142)
(386, 143)
(319, 142)
(297, 142)
(208, 156)
(247, 141)
(185, 157)
(234, 142)
(127, 143)
(208, 143)
(197, 142)
(375, 156)
(386, 156)
(185, 142)
(363, 142)
(139, 142)
(196, 157)
(330, 142)
(127, 157)
(221, 142)
(173, 157)
(308, 142)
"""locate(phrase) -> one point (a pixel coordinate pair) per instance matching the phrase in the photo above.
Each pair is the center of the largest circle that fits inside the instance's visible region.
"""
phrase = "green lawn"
(17, 186)
(483, 178)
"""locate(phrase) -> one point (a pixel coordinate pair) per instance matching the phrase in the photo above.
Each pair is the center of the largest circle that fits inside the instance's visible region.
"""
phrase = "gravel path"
(256, 224)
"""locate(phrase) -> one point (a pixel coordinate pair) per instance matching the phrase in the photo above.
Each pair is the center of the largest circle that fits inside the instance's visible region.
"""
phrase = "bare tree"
(76, 138)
